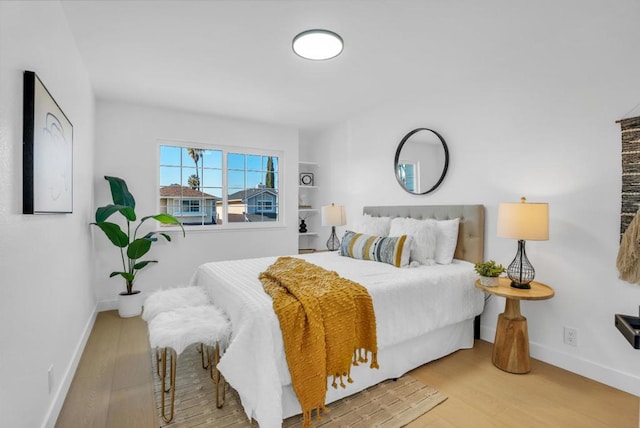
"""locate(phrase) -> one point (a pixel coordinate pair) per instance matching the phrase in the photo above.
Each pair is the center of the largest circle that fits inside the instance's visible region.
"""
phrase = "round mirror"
(421, 161)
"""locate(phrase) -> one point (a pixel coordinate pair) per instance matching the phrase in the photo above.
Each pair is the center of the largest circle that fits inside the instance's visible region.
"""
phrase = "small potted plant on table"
(132, 247)
(489, 273)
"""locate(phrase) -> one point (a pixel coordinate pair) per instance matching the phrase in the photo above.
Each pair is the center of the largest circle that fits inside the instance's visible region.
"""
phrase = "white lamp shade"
(523, 220)
(317, 44)
(333, 215)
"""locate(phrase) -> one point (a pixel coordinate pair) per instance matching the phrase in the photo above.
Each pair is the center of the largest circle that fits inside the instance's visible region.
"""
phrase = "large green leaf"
(140, 265)
(120, 193)
(138, 248)
(114, 233)
(165, 219)
(126, 275)
(105, 212)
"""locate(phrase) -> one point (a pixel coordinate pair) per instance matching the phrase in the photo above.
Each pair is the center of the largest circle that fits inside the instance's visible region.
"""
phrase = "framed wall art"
(47, 152)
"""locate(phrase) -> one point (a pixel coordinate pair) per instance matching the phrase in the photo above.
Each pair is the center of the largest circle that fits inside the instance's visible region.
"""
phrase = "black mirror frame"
(397, 158)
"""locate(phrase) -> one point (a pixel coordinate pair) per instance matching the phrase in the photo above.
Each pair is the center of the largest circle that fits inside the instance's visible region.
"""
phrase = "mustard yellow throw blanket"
(327, 324)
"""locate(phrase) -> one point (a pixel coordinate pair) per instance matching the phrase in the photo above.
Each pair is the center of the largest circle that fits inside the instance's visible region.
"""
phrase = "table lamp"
(333, 215)
(525, 222)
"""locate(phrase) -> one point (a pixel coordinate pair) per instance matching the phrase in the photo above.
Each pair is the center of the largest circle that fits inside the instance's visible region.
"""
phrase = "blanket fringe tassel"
(307, 417)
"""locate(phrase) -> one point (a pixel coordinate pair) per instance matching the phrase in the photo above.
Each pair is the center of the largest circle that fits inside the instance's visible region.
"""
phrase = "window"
(191, 205)
(218, 186)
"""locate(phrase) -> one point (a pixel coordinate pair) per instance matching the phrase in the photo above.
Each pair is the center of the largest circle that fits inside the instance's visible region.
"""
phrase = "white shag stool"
(176, 330)
(173, 298)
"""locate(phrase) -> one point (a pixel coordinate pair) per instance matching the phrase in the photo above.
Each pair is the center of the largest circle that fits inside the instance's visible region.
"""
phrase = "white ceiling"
(234, 58)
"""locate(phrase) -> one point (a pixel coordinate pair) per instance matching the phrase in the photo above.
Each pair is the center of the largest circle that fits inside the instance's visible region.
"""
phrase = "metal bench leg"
(158, 359)
(172, 383)
(216, 376)
(205, 363)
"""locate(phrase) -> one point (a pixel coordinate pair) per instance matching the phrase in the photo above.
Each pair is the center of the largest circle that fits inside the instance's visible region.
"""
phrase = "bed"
(423, 313)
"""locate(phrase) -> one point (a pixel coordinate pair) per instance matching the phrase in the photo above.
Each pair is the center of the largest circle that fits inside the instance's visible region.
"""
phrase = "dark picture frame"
(47, 152)
(306, 179)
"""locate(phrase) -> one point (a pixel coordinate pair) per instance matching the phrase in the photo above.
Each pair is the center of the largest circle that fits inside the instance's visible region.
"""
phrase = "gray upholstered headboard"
(471, 231)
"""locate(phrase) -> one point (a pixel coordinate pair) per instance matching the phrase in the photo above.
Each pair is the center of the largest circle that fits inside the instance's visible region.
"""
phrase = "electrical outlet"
(570, 336)
(50, 378)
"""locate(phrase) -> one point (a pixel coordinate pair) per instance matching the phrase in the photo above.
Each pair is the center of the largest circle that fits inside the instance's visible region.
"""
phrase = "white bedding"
(408, 303)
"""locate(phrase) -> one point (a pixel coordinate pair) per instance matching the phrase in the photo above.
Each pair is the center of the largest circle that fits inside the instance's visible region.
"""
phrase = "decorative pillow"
(377, 226)
(393, 250)
(424, 233)
(446, 240)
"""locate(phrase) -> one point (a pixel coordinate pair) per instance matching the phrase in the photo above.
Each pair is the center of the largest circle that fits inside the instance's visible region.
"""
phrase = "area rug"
(389, 404)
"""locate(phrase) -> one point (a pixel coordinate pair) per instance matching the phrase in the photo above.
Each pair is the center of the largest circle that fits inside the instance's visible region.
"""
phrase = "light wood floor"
(113, 388)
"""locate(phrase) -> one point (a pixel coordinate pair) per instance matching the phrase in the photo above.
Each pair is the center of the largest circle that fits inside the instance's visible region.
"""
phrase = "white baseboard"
(107, 305)
(607, 375)
(61, 393)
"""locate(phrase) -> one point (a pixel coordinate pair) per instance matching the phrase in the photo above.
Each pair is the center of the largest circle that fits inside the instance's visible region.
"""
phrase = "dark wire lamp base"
(520, 271)
(333, 243)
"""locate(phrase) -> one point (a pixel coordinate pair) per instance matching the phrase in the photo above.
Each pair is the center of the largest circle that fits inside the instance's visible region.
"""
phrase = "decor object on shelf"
(523, 221)
(131, 247)
(306, 179)
(421, 161)
(47, 152)
(333, 215)
(489, 272)
(303, 226)
(317, 45)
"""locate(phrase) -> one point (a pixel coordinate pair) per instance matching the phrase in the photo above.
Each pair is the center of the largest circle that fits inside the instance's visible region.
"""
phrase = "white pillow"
(368, 225)
(446, 240)
(424, 233)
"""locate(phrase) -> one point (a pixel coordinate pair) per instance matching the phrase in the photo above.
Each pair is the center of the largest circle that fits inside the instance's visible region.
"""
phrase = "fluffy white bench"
(175, 330)
(173, 298)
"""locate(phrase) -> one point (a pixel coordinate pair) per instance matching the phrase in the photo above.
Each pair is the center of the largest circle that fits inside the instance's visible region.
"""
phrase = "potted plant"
(132, 248)
(489, 272)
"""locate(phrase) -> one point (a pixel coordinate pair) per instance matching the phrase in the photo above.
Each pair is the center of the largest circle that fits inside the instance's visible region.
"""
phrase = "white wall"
(127, 147)
(526, 98)
(47, 303)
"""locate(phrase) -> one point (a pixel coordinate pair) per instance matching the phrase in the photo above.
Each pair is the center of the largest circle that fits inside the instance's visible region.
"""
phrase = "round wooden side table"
(511, 345)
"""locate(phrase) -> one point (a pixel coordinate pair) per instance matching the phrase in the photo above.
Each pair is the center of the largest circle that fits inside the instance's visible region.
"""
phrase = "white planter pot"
(130, 305)
(489, 281)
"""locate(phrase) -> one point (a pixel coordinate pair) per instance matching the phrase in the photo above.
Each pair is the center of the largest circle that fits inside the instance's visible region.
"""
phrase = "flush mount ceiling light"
(317, 45)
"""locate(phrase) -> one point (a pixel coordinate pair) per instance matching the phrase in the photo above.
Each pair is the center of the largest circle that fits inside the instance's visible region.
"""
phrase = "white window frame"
(226, 226)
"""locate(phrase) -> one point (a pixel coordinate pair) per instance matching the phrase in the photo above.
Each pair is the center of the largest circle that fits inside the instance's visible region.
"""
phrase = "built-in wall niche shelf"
(308, 204)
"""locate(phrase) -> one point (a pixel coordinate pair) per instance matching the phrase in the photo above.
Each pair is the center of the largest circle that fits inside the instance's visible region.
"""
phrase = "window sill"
(225, 227)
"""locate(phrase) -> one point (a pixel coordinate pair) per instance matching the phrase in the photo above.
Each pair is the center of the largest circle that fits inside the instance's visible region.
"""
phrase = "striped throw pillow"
(388, 249)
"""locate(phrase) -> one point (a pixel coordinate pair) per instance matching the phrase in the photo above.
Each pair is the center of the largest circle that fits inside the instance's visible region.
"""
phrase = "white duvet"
(408, 302)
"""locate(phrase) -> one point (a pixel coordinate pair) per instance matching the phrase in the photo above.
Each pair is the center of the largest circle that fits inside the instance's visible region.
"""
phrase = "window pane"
(212, 159)
(255, 179)
(170, 155)
(235, 161)
(211, 178)
(190, 179)
(235, 179)
(254, 163)
(169, 175)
